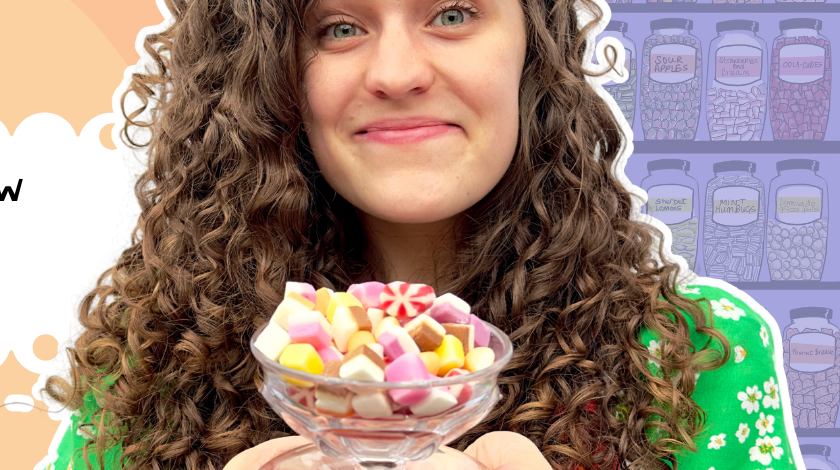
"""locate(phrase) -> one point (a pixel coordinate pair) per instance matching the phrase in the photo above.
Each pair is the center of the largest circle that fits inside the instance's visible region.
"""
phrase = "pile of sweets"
(399, 332)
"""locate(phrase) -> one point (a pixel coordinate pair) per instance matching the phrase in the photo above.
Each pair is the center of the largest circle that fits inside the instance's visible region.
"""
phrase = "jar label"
(738, 65)
(798, 204)
(801, 63)
(812, 352)
(672, 63)
(670, 203)
(735, 205)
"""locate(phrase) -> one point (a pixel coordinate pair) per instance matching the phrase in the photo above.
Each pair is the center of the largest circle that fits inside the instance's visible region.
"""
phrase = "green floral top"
(749, 424)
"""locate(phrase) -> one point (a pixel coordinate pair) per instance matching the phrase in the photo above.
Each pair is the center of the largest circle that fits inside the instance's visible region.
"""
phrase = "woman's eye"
(450, 16)
(453, 15)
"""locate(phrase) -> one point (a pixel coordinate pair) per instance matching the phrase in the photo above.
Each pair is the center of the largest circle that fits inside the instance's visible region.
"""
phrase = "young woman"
(452, 143)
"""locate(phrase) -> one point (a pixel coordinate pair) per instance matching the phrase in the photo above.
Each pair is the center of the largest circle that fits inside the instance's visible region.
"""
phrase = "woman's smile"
(407, 136)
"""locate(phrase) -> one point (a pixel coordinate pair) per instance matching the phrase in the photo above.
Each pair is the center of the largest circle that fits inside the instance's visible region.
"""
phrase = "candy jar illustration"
(800, 81)
(733, 223)
(816, 456)
(797, 221)
(810, 352)
(672, 69)
(736, 92)
(623, 93)
(672, 198)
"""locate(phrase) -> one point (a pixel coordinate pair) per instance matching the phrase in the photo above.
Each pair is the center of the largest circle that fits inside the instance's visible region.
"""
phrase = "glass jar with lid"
(797, 221)
(800, 81)
(736, 88)
(810, 357)
(623, 93)
(672, 198)
(671, 83)
(816, 456)
(733, 222)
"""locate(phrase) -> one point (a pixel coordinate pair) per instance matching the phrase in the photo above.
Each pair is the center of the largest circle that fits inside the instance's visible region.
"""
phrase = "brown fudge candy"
(331, 370)
(426, 338)
(364, 350)
(361, 317)
(464, 333)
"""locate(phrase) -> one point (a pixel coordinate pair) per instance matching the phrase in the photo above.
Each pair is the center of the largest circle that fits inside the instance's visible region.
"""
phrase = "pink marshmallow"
(396, 342)
(450, 308)
(330, 353)
(408, 368)
(311, 328)
(402, 299)
(310, 333)
(367, 293)
(305, 290)
(481, 332)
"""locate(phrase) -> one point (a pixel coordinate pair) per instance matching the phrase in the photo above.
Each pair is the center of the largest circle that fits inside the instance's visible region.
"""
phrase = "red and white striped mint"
(402, 299)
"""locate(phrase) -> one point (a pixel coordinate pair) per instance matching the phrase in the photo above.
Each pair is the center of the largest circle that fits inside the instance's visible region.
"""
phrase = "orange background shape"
(67, 58)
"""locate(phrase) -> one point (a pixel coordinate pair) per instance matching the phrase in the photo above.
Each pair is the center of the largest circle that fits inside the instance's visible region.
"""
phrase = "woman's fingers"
(505, 450)
(256, 457)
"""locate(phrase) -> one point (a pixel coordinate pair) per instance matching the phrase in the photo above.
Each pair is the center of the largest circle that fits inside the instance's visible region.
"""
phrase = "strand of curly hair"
(233, 206)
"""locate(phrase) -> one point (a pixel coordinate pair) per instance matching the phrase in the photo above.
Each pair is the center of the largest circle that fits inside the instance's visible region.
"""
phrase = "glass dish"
(400, 441)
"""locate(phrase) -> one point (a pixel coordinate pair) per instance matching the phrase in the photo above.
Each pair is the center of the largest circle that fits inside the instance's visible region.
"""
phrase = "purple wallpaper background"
(779, 297)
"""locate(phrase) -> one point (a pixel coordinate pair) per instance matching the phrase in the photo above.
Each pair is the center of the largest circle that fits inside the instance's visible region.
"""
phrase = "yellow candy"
(432, 362)
(479, 358)
(341, 298)
(383, 325)
(359, 338)
(302, 357)
(451, 354)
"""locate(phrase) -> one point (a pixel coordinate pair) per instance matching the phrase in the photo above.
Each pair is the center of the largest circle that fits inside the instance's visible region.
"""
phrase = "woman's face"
(457, 62)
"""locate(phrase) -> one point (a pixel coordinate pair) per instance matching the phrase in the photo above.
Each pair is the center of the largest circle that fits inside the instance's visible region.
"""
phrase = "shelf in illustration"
(817, 432)
(788, 285)
(758, 147)
(724, 7)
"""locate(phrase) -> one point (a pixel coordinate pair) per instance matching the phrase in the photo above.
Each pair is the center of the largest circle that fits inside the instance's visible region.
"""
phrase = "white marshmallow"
(333, 403)
(272, 341)
(361, 368)
(438, 401)
(373, 405)
(376, 315)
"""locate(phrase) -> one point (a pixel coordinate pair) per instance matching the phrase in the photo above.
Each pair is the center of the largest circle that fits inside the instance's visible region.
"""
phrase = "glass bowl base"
(308, 457)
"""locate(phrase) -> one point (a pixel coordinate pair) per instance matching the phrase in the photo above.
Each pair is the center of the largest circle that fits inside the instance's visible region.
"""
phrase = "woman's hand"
(256, 457)
(505, 450)
(498, 450)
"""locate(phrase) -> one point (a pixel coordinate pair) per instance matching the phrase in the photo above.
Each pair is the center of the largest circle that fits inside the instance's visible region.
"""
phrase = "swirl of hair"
(233, 206)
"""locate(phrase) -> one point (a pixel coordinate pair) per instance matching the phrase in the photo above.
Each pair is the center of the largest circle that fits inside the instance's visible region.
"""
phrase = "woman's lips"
(408, 136)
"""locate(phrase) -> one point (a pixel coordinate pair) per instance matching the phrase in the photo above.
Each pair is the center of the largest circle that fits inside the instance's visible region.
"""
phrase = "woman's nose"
(400, 63)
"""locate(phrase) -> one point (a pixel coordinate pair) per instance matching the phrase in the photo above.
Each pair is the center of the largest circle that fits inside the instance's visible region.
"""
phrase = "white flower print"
(765, 424)
(688, 290)
(717, 441)
(740, 354)
(750, 400)
(771, 394)
(743, 432)
(655, 349)
(765, 338)
(726, 309)
(766, 449)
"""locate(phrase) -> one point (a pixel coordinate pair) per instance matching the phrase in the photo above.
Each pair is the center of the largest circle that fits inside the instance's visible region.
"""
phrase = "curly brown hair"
(233, 207)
